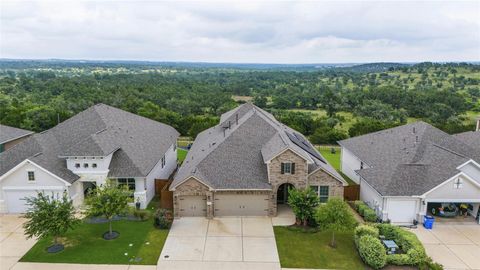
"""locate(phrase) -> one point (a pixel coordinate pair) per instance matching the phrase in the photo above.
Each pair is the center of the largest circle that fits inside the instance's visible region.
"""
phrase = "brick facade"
(321, 178)
(192, 187)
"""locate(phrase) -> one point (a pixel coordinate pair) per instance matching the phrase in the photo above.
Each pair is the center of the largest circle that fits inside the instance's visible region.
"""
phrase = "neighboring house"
(245, 165)
(82, 152)
(402, 170)
(10, 136)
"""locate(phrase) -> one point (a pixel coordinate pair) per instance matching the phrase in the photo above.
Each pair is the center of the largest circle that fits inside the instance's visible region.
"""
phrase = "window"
(323, 193)
(315, 188)
(77, 165)
(288, 168)
(31, 176)
(458, 183)
(129, 182)
(85, 165)
(94, 165)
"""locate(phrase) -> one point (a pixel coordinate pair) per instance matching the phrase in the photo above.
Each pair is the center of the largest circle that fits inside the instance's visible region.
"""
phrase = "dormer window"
(85, 165)
(94, 165)
(77, 165)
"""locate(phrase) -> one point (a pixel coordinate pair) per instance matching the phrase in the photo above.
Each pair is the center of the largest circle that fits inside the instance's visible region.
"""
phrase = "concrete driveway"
(220, 243)
(13, 243)
(454, 246)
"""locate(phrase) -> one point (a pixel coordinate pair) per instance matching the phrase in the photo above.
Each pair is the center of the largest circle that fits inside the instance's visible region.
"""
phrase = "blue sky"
(242, 31)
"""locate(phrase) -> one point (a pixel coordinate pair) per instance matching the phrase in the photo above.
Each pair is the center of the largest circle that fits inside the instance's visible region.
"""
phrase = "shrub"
(356, 204)
(372, 251)
(365, 230)
(161, 219)
(303, 203)
(369, 215)
(141, 214)
(361, 209)
(429, 264)
(398, 259)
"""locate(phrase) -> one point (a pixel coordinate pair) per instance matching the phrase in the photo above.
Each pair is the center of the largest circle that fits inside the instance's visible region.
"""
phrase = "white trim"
(27, 161)
(469, 161)
(289, 148)
(448, 180)
(37, 188)
(184, 180)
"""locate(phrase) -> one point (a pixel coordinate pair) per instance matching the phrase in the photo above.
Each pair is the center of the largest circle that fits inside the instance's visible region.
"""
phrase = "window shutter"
(293, 168)
(282, 170)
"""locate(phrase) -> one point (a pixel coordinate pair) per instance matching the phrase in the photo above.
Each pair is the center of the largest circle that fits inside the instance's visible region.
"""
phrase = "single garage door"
(241, 205)
(402, 211)
(193, 206)
(16, 202)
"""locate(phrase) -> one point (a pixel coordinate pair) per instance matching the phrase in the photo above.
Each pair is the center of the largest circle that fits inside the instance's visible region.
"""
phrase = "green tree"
(335, 216)
(303, 203)
(260, 101)
(49, 216)
(108, 200)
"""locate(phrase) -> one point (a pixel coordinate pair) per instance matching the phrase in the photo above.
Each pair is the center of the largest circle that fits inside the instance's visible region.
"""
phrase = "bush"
(398, 259)
(365, 230)
(372, 251)
(357, 204)
(361, 209)
(429, 264)
(369, 215)
(162, 219)
(304, 203)
(141, 214)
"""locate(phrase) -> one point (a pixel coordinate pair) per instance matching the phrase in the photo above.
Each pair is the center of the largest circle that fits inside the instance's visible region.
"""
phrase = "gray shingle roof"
(236, 159)
(411, 159)
(138, 143)
(471, 138)
(8, 133)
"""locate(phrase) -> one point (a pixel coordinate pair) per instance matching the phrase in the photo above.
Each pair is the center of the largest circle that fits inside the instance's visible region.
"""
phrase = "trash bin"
(428, 222)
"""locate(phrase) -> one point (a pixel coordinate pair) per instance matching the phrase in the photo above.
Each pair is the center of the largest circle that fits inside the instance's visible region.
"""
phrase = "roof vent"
(414, 130)
(236, 119)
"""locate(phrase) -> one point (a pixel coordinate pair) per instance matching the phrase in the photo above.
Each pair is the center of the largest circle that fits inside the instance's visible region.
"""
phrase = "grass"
(311, 250)
(334, 160)
(181, 154)
(85, 245)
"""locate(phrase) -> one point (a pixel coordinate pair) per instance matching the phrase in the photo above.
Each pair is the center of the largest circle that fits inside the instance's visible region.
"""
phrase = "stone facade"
(192, 187)
(321, 178)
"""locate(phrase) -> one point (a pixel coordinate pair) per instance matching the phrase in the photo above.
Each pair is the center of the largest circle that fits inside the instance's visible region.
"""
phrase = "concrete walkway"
(456, 247)
(13, 243)
(220, 243)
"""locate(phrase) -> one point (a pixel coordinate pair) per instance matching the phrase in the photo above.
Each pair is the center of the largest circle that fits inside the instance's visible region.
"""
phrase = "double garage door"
(241, 205)
(15, 199)
(225, 205)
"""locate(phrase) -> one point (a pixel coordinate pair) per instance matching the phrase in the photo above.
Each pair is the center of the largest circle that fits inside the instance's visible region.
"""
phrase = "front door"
(193, 206)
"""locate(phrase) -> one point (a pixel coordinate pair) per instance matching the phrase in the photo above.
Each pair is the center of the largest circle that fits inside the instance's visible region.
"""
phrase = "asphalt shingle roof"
(8, 133)
(235, 158)
(411, 159)
(137, 143)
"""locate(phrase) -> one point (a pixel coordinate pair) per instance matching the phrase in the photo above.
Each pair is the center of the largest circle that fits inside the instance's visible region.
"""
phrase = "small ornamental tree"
(49, 216)
(335, 216)
(303, 203)
(108, 200)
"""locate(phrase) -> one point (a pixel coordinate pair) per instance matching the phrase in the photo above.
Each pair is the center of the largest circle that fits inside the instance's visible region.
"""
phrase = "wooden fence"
(165, 195)
(351, 193)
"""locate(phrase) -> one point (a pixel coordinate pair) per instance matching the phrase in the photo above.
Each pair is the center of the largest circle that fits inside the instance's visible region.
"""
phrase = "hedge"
(407, 241)
(365, 230)
(365, 211)
(372, 252)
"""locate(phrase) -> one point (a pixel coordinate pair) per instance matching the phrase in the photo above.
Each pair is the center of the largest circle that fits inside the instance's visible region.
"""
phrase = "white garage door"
(193, 206)
(241, 205)
(401, 211)
(15, 199)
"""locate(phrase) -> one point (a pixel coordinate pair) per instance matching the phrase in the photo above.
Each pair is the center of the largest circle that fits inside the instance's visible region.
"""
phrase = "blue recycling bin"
(428, 222)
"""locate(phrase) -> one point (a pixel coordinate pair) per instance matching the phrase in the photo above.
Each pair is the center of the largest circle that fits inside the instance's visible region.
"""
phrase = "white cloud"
(242, 31)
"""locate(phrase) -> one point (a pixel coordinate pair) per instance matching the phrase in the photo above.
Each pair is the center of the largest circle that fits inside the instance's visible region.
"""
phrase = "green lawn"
(85, 245)
(311, 250)
(181, 154)
(334, 160)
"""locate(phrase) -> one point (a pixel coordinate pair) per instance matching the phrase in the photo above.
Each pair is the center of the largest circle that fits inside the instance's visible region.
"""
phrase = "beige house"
(245, 165)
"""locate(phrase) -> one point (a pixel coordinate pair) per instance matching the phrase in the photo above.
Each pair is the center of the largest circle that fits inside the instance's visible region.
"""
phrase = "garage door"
(401, 211)
(193, 206)
(16, 202)
(241, 205)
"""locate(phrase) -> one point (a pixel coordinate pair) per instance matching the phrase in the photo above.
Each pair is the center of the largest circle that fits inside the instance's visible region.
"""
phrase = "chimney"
(478, 125)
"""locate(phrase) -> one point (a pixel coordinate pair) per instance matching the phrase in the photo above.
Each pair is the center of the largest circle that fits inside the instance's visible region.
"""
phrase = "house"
(10, 136)
(244, 166)
(403, 170)
(82, 152)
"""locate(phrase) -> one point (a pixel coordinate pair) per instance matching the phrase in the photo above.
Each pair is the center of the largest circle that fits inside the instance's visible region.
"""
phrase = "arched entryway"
(282, 193)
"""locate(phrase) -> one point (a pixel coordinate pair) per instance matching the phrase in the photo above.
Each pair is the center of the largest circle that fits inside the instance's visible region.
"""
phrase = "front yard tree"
(108, 200)
(336, 216)
(303, 203)
(49, 216)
